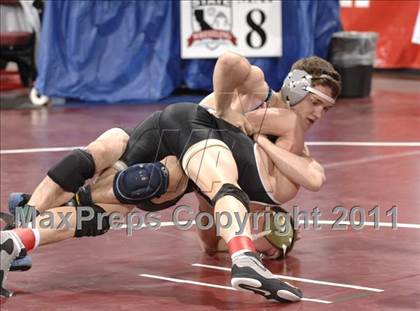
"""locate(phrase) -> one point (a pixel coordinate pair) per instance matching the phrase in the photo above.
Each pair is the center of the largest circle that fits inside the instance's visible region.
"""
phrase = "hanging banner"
(211, 27)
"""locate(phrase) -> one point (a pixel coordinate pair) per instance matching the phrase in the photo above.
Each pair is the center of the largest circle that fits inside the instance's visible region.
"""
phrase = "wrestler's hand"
(237, 119)
(282, 142)
(260, 139)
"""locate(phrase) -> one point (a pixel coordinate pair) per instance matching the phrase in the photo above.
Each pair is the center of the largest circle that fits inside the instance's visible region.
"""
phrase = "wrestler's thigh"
(212, 167)
(108, 148)
(178, 181)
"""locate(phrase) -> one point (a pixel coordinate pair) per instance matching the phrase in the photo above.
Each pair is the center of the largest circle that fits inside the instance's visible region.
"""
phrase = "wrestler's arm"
(284, 124)
(229, 85)
(234, 75)
(302, 170)
(271, 121)
(238, 87)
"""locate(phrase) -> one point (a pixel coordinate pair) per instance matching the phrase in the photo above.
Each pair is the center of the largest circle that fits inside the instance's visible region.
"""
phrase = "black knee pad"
(72, 171)
(232, 190)
(141, 182)
(91, 226)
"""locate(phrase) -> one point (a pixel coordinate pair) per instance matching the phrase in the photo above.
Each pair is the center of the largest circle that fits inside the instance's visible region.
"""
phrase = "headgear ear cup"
(295, 85)
(282, 235)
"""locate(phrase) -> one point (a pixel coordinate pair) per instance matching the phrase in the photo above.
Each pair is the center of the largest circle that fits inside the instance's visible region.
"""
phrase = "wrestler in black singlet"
(179, 126)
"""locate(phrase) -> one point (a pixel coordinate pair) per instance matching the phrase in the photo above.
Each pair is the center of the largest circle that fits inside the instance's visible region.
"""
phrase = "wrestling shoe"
(17, 199)
(83, 197)
(10, 248)
(249, 274)
(8, 220)
(22, 263)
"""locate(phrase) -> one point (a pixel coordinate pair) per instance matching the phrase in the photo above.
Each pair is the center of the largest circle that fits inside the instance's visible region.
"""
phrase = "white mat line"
(364, 143)
(310, 143)
(370, 159)
(151, 276)
(321, 222)
(367, 223)
(162, 224)
(36, 150)
(377, 290)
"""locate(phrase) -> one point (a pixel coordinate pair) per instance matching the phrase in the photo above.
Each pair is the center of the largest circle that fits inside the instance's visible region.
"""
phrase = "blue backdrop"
(115, 51)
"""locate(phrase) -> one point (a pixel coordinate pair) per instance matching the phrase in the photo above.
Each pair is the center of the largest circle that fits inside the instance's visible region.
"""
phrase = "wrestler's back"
(186, 124)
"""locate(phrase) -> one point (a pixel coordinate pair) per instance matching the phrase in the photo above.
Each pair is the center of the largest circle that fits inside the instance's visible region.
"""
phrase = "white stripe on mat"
(151, 276)
(311, 222)
(377, 290)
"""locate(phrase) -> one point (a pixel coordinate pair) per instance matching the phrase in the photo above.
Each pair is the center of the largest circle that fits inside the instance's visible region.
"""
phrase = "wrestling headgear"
(298, 84)
(281, 232)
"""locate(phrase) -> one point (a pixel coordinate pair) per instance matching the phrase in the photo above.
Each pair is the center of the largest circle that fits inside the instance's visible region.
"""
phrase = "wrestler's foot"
(10, 248)
(83, 197)
(8, 220)
(20, 199)
(22, 263)
(249, 274)
(17, 199)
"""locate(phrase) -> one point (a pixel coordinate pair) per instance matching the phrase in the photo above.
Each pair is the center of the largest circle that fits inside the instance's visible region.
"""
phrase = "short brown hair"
(316, 67)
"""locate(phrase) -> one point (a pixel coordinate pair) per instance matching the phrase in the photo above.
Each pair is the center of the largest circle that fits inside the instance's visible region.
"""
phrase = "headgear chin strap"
(298, 84)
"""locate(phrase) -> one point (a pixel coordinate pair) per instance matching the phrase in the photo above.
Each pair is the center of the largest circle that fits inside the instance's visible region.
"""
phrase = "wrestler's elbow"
(288, 195)
(286, 189)
(316, 180)
(229, 60)
(315, 184)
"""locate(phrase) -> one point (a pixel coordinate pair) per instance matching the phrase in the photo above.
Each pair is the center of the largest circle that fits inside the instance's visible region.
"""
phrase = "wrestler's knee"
(233, 191)
(71, 172)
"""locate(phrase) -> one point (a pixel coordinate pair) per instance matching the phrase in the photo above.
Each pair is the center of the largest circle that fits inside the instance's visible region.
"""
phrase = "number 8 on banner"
(256, 28)
(251, 28)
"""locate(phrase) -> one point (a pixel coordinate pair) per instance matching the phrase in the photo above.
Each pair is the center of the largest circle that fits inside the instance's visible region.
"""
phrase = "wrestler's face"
(312, 107)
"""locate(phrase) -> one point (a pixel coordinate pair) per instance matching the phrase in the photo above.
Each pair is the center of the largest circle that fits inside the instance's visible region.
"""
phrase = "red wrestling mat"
(367, 151)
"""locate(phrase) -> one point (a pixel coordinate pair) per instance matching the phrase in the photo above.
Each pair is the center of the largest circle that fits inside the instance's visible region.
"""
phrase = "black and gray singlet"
(175, 129)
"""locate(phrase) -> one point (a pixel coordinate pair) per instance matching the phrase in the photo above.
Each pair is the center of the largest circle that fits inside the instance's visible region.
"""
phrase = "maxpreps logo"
(211, 23)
